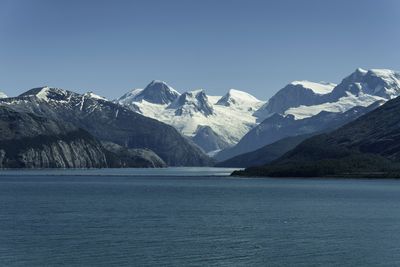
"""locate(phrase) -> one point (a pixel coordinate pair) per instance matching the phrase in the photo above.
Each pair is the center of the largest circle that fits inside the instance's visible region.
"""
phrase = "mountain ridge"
(111, 122)
(366, 147)
(229, 116)
(296, 104)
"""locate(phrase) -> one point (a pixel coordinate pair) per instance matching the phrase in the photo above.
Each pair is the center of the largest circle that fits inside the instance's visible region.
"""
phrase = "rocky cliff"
(110, 122)
(30, 141)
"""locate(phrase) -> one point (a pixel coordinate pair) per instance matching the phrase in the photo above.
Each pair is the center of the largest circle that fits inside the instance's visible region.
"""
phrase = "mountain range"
(237, 122)
(366, 147)
(331, 107)
(107, 121)
(159, 126)
(228, 117)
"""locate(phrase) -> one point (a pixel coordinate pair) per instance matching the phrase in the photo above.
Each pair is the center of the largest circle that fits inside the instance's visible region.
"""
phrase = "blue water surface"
(195, 217)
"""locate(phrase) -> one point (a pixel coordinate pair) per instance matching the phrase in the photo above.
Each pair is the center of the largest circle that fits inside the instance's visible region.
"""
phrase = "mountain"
(299, 107)
(265, 154)
(229, 117)
(379, 82)
(306, 99)
(132, 157)
(361, 88)
(31, 141)
(110, 122)
(238, 100)
(295, 94)
(209, 140)
(3, 95)
(278, 126)
(191, 103)
(366, 147)
(157, 92)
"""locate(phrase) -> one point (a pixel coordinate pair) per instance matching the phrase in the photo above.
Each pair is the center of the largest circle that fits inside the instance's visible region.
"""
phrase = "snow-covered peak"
(47, 93)
(157, 92)
(129, 97)
(195, 108)
(59, 95)
(308, 98)
(361, 71)
(342, 105)
(359, 74)
(94, 96)
(295, 94)
(235, 97)
(318, 88)
(189, 97)
(192, 102)
(382, 72)
(390, 77)
(43, 93)
(3, 95)
(377, 82)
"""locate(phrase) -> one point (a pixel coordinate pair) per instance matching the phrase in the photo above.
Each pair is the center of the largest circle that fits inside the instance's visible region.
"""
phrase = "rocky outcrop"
(121, 157)
(30, 141)
(191, 103)
(108, 121)
(208, 140)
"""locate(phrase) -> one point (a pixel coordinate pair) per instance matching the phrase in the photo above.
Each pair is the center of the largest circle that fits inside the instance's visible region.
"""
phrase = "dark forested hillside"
(368, 146)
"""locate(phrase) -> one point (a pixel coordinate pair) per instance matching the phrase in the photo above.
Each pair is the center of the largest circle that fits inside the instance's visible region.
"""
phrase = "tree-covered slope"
(368, 146)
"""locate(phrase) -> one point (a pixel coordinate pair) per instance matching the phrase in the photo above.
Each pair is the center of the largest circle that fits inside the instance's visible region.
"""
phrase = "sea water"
(195, 217)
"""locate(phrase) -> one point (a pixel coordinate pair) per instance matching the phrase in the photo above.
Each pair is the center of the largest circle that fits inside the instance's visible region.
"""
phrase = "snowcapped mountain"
(320, 88)
(157, 92)
(361, 88)
(191, 103)
(238, 100)
(341, 105)
(298, 107)
(295, 94)
(110, 122)
(305, 99)
(277, 127)
(378, 82)
(228, 117)
(3, 95)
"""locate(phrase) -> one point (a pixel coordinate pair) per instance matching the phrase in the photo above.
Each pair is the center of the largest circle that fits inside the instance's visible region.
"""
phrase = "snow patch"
(239, 100)
(230, 122)
(318, 88)
(42, 94)
(92, 95)
(342, 105)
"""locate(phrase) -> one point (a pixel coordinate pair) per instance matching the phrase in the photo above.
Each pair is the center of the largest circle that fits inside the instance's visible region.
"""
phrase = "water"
(135, 217)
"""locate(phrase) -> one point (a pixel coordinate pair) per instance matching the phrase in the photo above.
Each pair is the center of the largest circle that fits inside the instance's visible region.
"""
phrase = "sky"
(111, 47)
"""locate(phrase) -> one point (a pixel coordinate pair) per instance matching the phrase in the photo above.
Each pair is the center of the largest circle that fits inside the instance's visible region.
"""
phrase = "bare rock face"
(157, 92)
(30, 141)
(122, 157)
(209, 140)
(108, 121)
(191, 103)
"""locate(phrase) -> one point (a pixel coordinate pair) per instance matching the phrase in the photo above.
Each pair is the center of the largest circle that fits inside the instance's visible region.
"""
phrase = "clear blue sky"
(110, 47)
